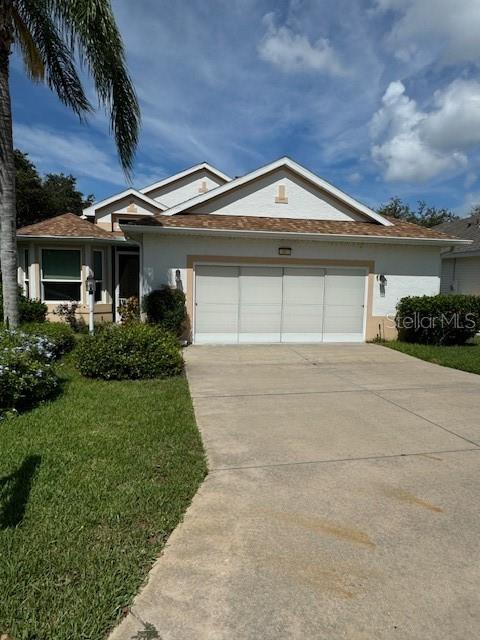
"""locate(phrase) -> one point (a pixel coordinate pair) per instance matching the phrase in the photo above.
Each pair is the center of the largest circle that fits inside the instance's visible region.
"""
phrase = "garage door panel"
(303, 286)
(344, 286)
(216, 283)
(303, 293)
(344, 305)
(260, 304)
(216, 308)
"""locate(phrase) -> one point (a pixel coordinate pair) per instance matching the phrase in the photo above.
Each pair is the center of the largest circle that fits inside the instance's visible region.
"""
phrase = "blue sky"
(380, 97)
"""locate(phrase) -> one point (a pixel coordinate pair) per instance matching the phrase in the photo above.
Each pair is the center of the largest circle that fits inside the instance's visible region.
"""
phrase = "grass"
(465, 357)
(91, 485)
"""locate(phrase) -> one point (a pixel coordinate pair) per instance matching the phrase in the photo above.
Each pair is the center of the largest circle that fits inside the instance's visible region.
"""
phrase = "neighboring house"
(277, 255)
(461, 264)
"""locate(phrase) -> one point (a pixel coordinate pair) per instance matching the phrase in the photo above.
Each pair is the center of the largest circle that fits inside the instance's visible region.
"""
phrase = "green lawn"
(466, 357)
(91, 485)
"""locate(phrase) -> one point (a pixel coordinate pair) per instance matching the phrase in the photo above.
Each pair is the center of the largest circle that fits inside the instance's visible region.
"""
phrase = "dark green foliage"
(58, 333)
(130, 351)
(30, 310)
(39, 198)
(166, 307)
(442, 319)
(424, 215)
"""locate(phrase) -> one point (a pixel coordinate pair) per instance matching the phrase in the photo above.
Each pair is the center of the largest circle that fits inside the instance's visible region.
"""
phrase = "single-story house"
(461, 263)
(276, 255)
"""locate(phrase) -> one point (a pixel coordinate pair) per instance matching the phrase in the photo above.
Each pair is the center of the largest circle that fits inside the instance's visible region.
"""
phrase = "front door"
(128, 270)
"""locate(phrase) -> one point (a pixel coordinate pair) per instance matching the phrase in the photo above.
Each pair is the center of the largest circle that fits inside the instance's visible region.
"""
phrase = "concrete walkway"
(342, 501)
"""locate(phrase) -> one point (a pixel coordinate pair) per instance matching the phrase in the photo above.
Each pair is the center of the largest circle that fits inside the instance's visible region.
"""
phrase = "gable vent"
(281, 197)
(203, 187)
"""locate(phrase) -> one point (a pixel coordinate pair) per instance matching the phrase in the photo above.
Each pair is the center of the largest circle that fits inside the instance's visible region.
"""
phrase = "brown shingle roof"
(399, 229)
(67, 225)
(467, 228)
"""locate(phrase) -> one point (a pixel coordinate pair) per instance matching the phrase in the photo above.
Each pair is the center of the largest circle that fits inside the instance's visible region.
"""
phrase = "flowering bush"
(26, 372)
(59, 334)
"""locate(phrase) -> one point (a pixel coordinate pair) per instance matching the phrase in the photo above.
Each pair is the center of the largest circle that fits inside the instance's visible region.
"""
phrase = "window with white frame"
(61, 275)
(98, 270)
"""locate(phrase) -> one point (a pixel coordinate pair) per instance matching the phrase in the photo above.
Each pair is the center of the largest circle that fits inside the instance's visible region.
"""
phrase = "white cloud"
(470, 180)
(355, 177)
(54, 151)
(415, 145)
(444, 31)
(456, 121)
(292, 51)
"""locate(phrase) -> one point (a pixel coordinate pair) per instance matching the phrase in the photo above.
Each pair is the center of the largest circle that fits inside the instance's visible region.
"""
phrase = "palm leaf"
(89, 26)
(57, 56)
(32, 57)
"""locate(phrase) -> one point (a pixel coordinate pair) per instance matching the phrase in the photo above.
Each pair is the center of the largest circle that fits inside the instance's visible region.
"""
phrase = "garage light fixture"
(284, 251)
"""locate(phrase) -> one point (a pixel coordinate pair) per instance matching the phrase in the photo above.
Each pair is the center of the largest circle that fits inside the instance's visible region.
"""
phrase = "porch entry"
(250, 304)
(128, 277)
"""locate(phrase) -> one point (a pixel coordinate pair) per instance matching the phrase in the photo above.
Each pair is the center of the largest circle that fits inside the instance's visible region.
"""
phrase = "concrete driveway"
(342, 501)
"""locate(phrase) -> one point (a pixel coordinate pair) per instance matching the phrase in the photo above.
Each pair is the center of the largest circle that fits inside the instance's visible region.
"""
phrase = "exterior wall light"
(284, 251)
(382, 280)
(90, 282)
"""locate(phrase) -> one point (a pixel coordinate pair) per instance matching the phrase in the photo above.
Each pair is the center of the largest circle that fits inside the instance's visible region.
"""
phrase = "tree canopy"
(424, 215)
(44, 197)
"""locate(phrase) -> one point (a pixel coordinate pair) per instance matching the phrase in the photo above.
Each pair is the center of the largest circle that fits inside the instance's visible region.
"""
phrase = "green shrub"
(166, 307)
(129, 351)
(59, 334)
(26, 372)
(29, 310)
(441, 319)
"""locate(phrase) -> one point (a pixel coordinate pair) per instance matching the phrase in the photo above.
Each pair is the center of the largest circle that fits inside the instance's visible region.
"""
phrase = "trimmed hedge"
(130, 351)
(441, 319)
(29, 310)
(166, 307)
(59, 334)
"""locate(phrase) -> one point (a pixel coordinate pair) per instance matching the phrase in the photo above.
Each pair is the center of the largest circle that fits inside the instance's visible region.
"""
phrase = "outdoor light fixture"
(382, 280)
(284, 251)
(90, 282)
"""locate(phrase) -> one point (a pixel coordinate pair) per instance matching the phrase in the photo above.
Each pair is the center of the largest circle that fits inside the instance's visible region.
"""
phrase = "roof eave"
(293, 234)
(72, 238)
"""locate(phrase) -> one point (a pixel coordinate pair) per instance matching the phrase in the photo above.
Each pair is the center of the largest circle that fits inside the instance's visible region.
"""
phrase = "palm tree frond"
(32, 57)
(90, 26)
(57, 57)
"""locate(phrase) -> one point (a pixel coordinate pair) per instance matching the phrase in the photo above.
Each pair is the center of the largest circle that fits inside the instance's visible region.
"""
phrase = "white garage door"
(235, 305)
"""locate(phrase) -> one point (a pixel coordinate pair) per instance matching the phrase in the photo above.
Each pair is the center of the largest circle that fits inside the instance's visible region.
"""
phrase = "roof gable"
(258, 194)
(186, 172)
(66, 225)
(91, 210)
